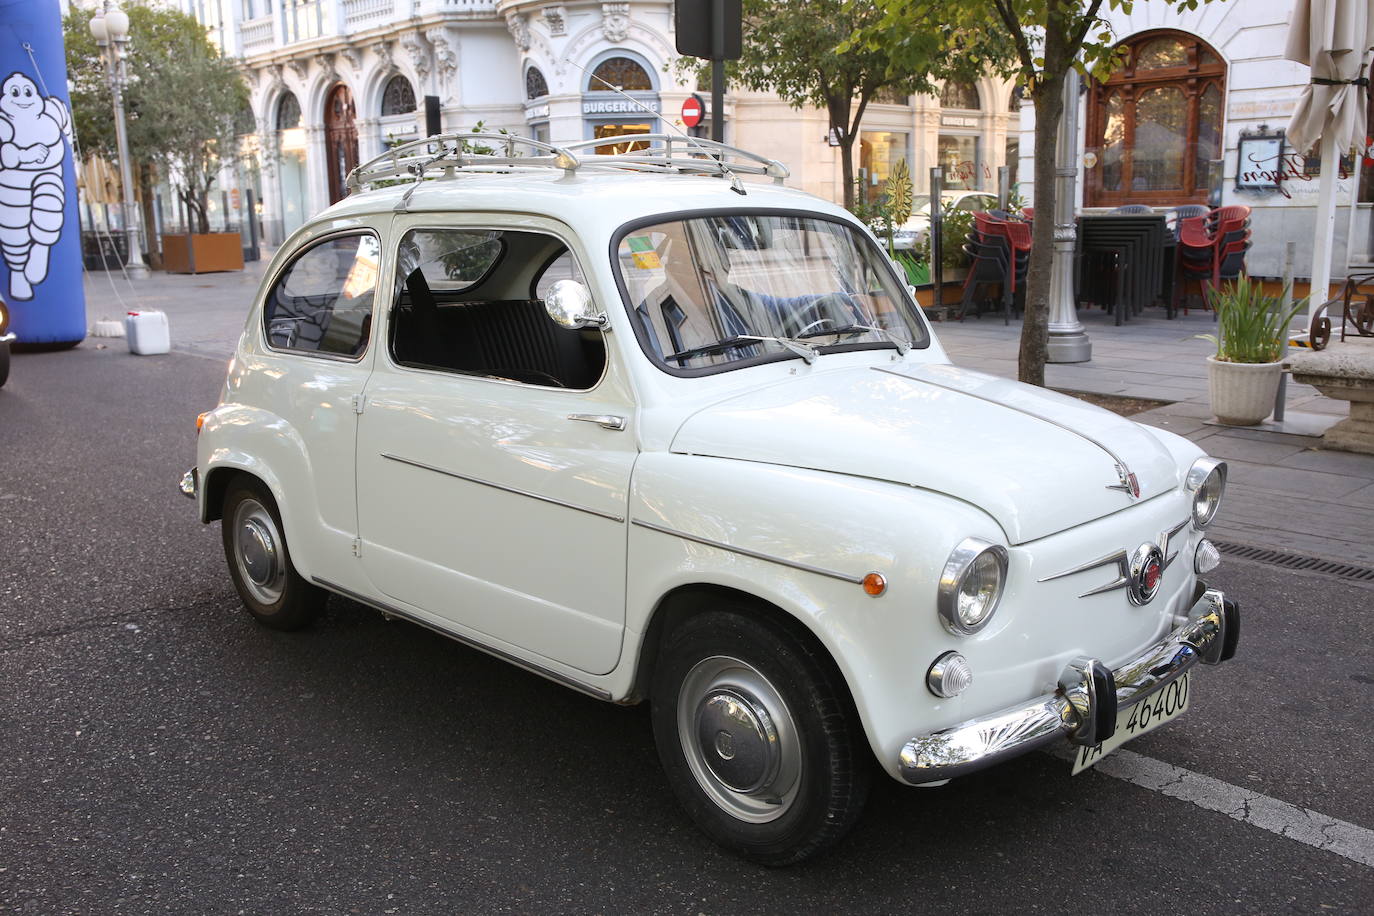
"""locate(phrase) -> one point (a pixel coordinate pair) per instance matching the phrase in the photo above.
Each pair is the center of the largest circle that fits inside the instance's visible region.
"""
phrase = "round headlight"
(971, 585)
(1207, 483)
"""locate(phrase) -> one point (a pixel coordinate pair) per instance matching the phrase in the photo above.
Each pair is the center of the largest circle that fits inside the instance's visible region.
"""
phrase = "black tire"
(783, 769)
(4, 363)
(259, 561)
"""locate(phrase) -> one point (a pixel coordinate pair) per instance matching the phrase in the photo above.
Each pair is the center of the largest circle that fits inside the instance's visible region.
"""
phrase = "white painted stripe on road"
(1306, 826)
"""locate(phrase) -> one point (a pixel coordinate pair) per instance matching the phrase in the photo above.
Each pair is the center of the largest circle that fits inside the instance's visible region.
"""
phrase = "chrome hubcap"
(739, 739)
(257, 552)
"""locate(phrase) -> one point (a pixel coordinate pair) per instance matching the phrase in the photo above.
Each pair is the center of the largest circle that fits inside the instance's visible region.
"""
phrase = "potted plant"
(1243, 376)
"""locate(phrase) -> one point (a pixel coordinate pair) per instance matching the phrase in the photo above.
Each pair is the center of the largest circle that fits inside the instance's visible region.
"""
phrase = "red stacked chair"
(1000, 253)
(1211, 249)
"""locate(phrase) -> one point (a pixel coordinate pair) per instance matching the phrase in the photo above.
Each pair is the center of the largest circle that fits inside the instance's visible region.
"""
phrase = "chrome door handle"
(605, 421)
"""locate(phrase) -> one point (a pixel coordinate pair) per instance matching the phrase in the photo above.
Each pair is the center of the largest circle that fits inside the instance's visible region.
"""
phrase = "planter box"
(1242, 393)
(200, 254)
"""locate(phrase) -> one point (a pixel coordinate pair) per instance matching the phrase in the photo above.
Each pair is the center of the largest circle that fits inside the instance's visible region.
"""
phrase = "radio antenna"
(735, 184)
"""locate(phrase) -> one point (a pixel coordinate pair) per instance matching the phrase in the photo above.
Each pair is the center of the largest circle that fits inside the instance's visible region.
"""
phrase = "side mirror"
(570, 305)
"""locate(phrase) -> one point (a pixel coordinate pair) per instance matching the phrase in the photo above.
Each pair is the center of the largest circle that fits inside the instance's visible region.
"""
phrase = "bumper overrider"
(6, 338)
(1083, 708)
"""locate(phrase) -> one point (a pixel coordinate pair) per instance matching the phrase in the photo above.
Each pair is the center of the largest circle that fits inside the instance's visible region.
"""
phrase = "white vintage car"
(658, 433)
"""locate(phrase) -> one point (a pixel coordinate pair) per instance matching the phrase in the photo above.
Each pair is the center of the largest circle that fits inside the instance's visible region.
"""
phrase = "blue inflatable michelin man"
(40, 245)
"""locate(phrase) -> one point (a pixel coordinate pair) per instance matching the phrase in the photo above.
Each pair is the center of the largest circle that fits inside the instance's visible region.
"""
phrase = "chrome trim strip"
(6, 338)
(804, 567)
(505, 489)
(1166, 540)
(467, 641)
(1119, 558)
(978, 743)
(1122, 468)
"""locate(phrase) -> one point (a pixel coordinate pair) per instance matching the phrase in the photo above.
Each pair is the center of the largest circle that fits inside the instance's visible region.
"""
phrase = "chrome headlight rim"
(1206, 474)
(960, 564)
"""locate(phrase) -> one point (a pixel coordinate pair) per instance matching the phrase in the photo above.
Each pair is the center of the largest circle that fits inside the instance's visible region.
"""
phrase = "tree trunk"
(151, 242)
(1049, 109)
(837, 107)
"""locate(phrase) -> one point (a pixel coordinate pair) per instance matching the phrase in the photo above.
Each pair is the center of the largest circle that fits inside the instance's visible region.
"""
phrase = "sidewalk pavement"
(1285, 493)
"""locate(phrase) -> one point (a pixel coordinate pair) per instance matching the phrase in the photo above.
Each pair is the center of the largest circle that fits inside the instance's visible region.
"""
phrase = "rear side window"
(322, 302)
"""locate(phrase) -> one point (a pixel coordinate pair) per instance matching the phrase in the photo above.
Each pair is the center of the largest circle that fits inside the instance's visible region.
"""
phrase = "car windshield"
(716, 292)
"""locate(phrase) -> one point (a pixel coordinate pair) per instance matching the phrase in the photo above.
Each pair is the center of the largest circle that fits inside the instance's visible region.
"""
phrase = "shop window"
(879, 152)
(956, 94)
(398, 97)
(1156, 123)
(958, 156)
(621, 72)
(536, 87)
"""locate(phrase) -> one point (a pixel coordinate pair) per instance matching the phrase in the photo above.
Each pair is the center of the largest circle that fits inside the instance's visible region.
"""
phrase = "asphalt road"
(160, 753)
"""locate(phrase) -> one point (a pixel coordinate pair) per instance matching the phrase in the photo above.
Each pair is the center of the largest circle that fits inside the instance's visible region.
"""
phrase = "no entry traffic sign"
(692, 110)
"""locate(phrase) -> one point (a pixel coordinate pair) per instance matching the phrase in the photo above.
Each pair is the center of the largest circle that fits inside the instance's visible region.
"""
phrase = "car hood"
(1037, 461)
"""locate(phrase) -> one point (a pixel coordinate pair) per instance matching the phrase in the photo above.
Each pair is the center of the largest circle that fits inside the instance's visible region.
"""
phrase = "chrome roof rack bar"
(672, 153)
(443, 155)
(438, 156)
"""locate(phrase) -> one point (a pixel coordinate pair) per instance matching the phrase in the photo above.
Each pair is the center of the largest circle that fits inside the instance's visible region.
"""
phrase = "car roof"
(587, 200)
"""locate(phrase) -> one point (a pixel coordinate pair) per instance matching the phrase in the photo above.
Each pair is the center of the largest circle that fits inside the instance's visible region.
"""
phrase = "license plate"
(1137, 719)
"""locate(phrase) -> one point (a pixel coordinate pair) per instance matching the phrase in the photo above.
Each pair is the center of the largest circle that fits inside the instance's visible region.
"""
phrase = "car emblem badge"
(1129, 482)
(1147, 571)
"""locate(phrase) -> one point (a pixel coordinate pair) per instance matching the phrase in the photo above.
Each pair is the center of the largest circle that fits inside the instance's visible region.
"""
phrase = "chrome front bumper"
(188, 483)
(6, 338)
(1084, 707)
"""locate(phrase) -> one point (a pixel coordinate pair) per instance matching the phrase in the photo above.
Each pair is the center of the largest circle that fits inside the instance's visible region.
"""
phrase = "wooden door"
(340, 140)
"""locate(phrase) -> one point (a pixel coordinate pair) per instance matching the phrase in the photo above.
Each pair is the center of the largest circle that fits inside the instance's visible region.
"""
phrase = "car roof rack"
(444, 155)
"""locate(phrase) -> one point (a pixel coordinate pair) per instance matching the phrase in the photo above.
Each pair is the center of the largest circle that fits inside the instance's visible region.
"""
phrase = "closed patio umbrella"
(1336, 39)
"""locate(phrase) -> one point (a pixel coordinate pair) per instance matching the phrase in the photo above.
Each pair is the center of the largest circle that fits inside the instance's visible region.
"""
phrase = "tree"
(183, 100)
(805, 54)
(1050, 37)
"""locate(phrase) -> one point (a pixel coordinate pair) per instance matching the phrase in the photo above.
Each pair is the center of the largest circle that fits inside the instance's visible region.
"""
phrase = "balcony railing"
(304, 20)
(256, 35)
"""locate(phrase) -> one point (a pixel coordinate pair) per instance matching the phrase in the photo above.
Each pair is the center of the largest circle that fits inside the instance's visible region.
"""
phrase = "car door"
(494, 453)
(316, 353)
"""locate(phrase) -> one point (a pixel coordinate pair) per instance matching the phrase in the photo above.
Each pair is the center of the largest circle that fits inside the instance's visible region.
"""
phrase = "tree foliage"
(807, 55)
(1049, 38)
(183, 99)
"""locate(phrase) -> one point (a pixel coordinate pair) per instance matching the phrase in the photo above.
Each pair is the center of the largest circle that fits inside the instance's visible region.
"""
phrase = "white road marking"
(1352, 841)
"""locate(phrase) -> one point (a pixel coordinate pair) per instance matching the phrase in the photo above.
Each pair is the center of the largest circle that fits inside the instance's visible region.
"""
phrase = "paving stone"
(1293, 481)
(1318, 459)
(1252, 450)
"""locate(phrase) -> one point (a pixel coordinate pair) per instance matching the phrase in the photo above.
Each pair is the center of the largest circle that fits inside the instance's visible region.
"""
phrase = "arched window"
(620, 72)
(956, 94)
(1156, 123)
(288, 112)
(398, 97)
(1018, 92)
(536, 86)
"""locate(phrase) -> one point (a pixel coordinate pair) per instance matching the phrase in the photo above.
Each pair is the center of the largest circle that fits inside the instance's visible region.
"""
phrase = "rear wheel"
(259, 562)
(758, 736)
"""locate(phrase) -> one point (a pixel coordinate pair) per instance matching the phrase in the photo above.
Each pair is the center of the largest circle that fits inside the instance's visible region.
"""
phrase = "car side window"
(973, 204)
(322, 302)
(464, 305)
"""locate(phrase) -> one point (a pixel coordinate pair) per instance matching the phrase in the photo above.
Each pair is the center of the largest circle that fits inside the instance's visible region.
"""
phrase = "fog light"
(1207, 557)
(949, 676)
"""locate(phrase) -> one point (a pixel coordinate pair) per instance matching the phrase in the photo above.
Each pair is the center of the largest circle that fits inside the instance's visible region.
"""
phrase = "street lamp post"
(1068, 341)
(110, 26)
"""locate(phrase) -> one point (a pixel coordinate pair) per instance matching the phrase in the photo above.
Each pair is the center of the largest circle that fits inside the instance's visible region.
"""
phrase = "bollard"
(1281, 399)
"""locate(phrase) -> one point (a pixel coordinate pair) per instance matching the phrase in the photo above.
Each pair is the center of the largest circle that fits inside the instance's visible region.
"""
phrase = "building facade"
(1196, 115)
(333, 82)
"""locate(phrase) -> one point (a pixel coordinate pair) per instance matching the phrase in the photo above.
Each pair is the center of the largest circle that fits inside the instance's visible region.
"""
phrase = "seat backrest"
(516, 338)
(1134, 209)
(416, 334)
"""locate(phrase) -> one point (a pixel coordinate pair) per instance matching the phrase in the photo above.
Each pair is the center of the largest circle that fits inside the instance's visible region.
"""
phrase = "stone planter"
(202, 253)
(1242, 393)
(1344, 371)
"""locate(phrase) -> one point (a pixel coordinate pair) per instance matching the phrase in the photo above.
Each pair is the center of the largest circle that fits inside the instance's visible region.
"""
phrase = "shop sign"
(535, 112)
(619, 106)
(957, 121)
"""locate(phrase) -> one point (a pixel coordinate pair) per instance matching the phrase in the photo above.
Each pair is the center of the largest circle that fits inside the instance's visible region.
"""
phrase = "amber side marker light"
(874, 584)
(200, 420)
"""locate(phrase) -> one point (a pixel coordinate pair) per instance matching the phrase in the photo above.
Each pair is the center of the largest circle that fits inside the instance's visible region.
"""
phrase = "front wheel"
(758, 737)
(259, 563)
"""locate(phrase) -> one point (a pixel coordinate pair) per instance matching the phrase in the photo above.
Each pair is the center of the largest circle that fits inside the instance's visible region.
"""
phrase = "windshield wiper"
(901, 345)
(745, 340)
